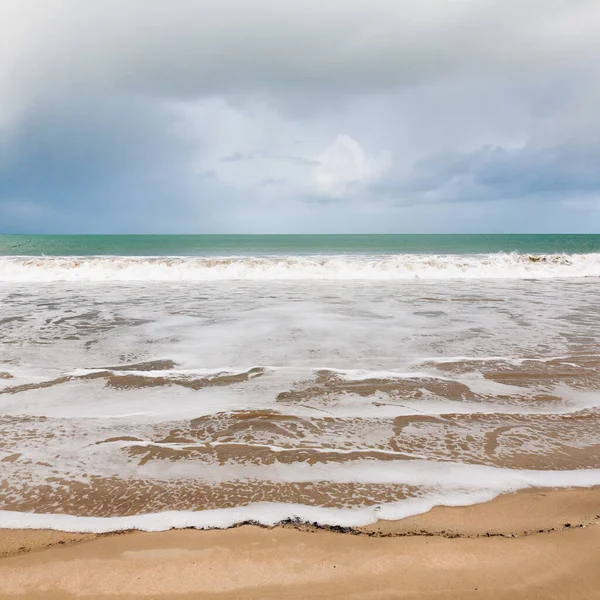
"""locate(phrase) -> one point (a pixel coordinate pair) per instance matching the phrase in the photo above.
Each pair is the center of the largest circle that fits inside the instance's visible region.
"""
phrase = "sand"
(534, 545)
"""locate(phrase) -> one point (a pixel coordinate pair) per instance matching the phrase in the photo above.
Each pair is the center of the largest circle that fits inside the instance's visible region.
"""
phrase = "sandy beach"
(299, 300)
(239, 422)
(535, 544)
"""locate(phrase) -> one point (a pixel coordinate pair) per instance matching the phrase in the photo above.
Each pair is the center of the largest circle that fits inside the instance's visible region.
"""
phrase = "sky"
(289, 116)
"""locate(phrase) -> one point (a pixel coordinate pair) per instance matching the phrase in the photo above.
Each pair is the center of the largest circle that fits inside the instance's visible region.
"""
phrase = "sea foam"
(272, 513)
(332, 267)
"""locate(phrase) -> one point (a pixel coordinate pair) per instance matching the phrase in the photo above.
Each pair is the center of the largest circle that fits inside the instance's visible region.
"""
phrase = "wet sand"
(533, 544)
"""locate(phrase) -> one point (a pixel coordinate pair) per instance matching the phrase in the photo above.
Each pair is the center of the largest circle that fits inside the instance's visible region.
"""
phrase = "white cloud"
(345, 165)
(253, 147)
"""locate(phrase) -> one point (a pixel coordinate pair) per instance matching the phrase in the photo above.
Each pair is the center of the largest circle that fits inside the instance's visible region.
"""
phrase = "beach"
(411, 401)
(299, 300)
(533, 544)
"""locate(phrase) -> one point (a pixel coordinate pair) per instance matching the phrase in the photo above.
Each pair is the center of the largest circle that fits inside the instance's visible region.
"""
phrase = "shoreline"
(516, 514)
(534, 543)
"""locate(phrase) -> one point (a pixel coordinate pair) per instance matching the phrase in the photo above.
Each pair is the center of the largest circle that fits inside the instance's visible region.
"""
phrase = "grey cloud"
(238, 157)
(95, 166)
(186, 48)
(272, 181)
(321, 200)
(243, 156)
(299, 160)
(497, 173)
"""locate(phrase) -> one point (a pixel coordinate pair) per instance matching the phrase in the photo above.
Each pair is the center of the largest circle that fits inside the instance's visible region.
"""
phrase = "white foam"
(184, 446)
(271, 513)
(373, 267)
(441, 475)
(92, 400)
(264, 513)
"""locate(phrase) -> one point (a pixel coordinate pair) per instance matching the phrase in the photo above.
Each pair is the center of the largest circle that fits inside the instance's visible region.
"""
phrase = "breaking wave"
(331, 267)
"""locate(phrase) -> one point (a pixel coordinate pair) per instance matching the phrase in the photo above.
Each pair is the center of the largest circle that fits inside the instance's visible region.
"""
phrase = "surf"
(317, 267)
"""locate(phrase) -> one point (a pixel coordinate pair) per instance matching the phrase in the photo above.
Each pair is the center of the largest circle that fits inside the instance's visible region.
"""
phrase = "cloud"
(237, 157)
(344, 166)
(497, 173)
(239, 115)
(184, 49)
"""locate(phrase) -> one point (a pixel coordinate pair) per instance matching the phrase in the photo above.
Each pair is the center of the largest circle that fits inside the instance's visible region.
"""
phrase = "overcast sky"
(289, 116)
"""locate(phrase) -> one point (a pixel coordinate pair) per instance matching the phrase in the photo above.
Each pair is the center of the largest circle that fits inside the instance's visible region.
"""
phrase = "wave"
(474, 484)
(331, 267)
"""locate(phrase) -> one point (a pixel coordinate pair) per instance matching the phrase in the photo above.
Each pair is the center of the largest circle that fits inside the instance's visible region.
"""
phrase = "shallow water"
(339, 401)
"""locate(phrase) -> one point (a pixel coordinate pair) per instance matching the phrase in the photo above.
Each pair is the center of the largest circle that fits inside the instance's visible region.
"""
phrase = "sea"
(150, 382)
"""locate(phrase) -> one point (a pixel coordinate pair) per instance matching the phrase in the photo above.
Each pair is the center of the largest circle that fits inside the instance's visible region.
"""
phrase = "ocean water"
(159, 381)
(284, 245)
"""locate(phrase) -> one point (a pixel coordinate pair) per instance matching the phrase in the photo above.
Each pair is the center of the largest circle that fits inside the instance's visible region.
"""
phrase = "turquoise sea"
(243, 245)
